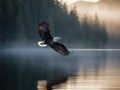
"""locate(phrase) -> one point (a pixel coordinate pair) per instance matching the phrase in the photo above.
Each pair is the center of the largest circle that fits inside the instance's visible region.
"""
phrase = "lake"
(44, 69)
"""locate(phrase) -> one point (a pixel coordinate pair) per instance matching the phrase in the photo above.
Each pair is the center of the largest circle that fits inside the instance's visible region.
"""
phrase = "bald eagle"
(44, 32)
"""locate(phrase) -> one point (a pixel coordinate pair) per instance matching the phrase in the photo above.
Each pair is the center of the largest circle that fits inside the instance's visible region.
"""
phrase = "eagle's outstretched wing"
(59, 48)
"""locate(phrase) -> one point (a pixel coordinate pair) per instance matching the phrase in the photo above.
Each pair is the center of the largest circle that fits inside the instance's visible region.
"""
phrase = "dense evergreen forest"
(19, 20)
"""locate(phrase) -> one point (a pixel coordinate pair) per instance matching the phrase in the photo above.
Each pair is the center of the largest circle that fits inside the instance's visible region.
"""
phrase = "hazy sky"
(69, 2)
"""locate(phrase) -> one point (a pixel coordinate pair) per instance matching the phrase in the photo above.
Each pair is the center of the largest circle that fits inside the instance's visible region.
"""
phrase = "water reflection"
(31, 69)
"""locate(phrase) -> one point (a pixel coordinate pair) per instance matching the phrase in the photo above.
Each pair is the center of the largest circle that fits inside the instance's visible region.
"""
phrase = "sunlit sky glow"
(69, 2)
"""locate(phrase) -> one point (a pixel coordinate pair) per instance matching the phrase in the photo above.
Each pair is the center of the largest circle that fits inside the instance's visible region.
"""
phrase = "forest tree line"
(19, 20)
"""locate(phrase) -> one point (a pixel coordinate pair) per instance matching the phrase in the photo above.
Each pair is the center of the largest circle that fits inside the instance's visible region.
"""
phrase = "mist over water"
(22, 68)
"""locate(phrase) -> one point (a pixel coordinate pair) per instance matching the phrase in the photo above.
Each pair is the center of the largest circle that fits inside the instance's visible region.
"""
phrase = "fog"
(108, 12)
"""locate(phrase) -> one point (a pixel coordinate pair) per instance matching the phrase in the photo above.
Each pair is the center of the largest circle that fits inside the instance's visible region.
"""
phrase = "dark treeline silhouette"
(19, 20)
(93, 34)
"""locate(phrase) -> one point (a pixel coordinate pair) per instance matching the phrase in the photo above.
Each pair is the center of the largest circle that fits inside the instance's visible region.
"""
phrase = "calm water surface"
(43, 69)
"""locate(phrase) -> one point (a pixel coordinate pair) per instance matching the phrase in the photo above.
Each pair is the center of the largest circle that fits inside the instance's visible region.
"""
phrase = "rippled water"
(43, 69)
